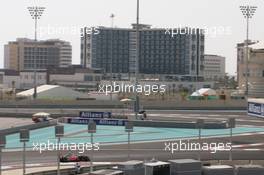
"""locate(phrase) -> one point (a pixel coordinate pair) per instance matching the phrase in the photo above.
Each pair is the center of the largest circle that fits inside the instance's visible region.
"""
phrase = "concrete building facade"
(81, 79)
(160, 52)
(214, 67)
(27, 79)
(21, 80)
(21, 54)
(255, 73)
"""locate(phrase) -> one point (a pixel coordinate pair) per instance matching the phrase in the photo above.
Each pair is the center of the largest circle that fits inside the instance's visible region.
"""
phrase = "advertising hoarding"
(256, 107)
(89, 114)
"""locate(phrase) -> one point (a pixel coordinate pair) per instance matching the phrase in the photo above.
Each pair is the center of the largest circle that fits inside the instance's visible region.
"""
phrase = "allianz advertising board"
(111, 122)
(256, 109)
(89, 114)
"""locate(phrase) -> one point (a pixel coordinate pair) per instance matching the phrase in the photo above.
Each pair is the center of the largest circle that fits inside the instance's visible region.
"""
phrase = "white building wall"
(8, 81)
(214, 67)
(27, 79)
(85, 81)
(65, 54)
(6, 57)
(62, 77)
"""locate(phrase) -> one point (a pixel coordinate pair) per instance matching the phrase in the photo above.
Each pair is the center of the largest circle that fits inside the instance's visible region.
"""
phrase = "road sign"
(199, 123)
(129, 126)
(256, 109)
(2, 140)
(232, 123)
(24, 135)
(91, 127)
(59, 131)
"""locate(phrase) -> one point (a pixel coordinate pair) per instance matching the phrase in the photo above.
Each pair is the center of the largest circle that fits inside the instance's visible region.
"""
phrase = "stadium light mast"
(35, 12)
(111, 54)
(136, 102)
(248, 12)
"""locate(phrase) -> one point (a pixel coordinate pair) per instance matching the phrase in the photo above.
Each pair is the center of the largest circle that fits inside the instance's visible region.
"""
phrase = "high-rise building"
(22, 54)
(214, 67)
(177, 51)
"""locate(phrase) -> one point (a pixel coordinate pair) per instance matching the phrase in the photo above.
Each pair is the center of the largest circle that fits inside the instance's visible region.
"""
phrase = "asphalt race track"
(246, 146)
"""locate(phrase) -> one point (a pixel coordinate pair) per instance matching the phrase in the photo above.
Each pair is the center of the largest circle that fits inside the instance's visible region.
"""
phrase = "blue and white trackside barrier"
(256, 107)
(98, 121)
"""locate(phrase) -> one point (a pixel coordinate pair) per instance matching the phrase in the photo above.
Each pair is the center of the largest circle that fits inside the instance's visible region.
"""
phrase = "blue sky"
(72, 14)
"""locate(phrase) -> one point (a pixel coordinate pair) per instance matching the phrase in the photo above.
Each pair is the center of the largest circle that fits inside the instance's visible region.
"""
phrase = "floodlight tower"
(111, 54)
(248, 12)
(35, 12)
(136, 102)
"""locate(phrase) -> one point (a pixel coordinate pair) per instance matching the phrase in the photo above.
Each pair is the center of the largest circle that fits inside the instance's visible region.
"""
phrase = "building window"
(97, 78)
(88, 78)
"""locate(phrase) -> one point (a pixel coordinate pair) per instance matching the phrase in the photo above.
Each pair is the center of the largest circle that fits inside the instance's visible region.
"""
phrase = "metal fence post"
(24, 137)
(200, 125)
(91, 130)
(59, 132)
(231, 125)
(128, 128)
(2, 145)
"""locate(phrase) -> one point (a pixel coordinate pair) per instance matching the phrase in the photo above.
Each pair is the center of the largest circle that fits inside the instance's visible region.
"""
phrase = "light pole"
(2, 145)
(91, 130)
(85, 47)
(111, 54)
(231, 125)
(36, 13)
(128, 128)
(200, 125)
(136, 105)
(24, 137)
(248, 12)
(59, 132)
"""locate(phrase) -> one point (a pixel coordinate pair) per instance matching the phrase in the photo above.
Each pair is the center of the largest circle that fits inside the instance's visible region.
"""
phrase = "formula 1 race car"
(70, 157)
